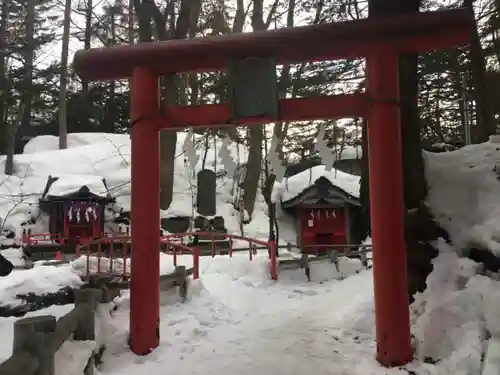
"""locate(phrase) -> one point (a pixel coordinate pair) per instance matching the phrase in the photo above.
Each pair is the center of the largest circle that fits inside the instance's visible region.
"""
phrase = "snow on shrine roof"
(290, 187)
(69, 184)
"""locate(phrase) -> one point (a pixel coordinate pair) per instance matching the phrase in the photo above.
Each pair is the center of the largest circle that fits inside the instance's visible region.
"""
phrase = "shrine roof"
(63, 189)
(339, 183)
(81, 196)
(322, 191)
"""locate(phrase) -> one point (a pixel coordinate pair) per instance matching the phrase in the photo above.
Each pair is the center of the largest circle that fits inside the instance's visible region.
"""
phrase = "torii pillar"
(145, 210)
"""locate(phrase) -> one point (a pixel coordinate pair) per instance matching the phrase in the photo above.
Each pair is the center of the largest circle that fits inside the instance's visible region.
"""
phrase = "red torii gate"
(380, 40)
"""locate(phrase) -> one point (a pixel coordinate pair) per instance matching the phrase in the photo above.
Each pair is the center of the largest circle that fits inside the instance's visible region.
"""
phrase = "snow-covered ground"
(237, 320)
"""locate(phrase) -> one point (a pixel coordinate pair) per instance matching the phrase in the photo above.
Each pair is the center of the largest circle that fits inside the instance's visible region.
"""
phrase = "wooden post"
(145, 203)
(273, 262)
(196, 263)
(85, 300)
(32, 335)
(387, 211)
(182, 279)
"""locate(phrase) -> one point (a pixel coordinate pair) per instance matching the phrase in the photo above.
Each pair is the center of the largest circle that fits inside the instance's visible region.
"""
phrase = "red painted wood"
(74, 232)
(65, 224)
(387, 211)
(145, 204)
(323, 226)
(406, 33)
(323, 107)
(273, 264)
(78, 233)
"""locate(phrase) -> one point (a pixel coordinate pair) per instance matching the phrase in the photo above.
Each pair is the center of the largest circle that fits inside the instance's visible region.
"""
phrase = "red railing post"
(109, 241)
(124, 248)
(99, 250)
(196, 263)
(212, 237)
(88, 259)
(250, 249)
(273, 261)
(174, 249)
(230, 247)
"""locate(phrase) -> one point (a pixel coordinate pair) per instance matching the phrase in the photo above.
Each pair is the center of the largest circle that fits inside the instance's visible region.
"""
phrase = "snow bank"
(464, 193)
(492, 358)
(51, 143)
(292, 186)
(449, 314)
(458, 312)
(90, 157)
(38, 280)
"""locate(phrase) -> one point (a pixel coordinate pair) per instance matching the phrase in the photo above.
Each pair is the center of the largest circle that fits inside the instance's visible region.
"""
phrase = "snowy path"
(237, 326)
(236, 320)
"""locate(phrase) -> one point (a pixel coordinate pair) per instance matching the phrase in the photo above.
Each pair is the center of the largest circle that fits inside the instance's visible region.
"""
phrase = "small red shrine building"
(324, 215)
(76, 216)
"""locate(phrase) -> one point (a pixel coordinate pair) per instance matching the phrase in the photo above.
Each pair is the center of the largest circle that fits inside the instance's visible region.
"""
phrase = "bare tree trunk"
(239, 17)
(254, 164)
(438, 129)
(130, 29)
(130, 22)
(4, 133)
(485, 124)
(267, 188)
(419, 252)
(13, 126)
(110, 117)
(168, 140)
(29, 52)
(193, 81)
(63, 125)
(238, 24)
(84, 94)
(147, 11)
(207, 146)
(458, 85)
(280, 130)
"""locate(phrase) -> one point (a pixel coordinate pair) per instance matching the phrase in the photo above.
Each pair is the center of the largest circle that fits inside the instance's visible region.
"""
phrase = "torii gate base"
(380, 40)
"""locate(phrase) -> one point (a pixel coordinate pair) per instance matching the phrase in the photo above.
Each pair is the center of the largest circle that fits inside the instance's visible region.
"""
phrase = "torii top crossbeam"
(406, 33)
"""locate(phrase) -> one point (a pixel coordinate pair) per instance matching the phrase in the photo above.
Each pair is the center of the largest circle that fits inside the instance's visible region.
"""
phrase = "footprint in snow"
(308, 292)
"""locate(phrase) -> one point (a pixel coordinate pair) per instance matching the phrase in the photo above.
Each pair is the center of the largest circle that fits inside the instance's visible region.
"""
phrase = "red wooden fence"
(94, 247)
